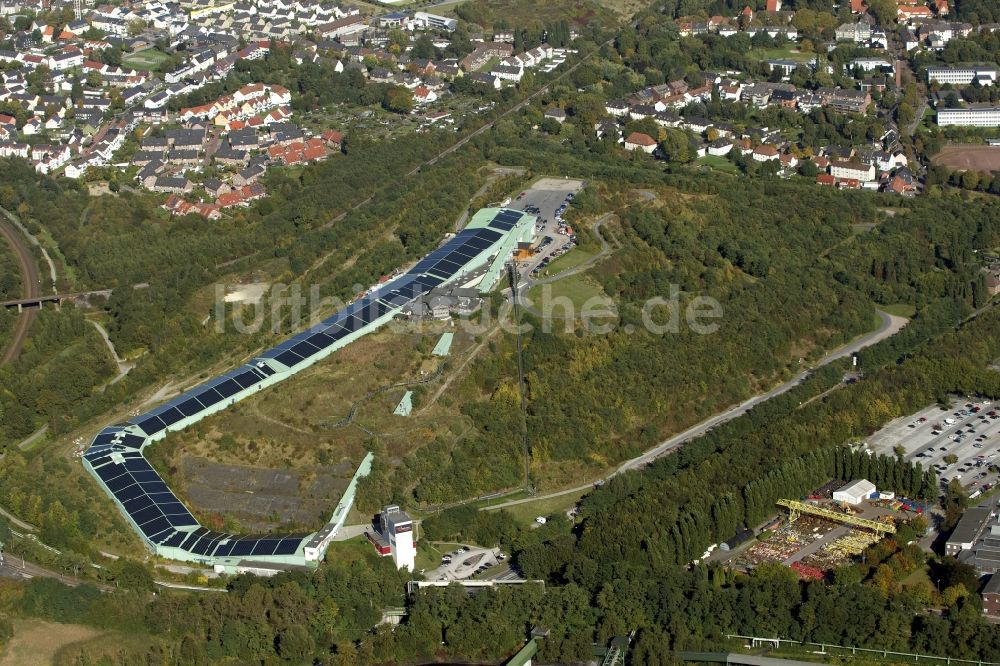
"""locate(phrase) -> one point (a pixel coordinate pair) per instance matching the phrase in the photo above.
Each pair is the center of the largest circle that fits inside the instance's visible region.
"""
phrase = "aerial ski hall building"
(473, 257)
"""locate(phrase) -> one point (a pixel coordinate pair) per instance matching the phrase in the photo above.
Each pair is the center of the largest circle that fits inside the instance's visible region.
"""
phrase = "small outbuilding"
(742, 536)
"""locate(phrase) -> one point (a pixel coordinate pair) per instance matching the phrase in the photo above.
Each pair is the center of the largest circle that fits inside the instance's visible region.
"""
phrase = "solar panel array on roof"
(437, 267)
(115, 453)
(505, 220)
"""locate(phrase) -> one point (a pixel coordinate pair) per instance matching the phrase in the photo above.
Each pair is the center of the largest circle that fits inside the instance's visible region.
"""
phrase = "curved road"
(890, 326)
(528, 282)
(29, 289)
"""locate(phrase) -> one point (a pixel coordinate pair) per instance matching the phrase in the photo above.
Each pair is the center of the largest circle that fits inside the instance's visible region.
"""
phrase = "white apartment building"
(980, 116)
(962, 75)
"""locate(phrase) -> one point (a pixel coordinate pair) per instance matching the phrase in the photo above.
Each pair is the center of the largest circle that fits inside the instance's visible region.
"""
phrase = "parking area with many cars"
(968, 430)
(548, 200)
(466, 562)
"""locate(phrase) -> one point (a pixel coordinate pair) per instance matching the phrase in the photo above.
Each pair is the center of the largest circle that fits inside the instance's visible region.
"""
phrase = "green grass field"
(717, 163)
(578, 289)
(571, 259)
(786, 53)
(552, 506)
(145, 59)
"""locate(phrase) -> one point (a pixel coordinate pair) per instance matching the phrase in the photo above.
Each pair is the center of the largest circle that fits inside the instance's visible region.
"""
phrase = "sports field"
(146, 59)
(963, 157)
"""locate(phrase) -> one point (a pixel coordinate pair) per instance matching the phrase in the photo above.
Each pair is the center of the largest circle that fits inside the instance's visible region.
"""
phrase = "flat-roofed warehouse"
(474, 257)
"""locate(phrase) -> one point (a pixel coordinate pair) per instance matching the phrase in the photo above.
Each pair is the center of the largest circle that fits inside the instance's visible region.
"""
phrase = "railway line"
(29, 289)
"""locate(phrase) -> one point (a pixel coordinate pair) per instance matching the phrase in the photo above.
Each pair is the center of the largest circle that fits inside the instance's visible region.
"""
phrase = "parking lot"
(969, 430)
(547, 199)
(466, 562)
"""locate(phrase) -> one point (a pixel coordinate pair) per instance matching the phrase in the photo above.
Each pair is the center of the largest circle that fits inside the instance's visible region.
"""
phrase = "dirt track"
(29, 289)
(969, 158)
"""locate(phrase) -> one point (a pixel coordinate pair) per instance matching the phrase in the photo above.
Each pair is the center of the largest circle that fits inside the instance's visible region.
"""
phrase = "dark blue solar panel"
(464, 253)
(134, 441)
(160, 536)
(421, 266)
(161, 498)
(106, 435)
(151, 426)
(145, 515)
(448, 266)
(396, 299)
(337, 332)
(129, 492)
(137, 503)
(209, 397)
(440, 273)
(146, 477)
(265, 547)
(500, 224)
(109, 472)
(430, 281)
(288, 546)
(96, 451)
(136, 465)
(305, 350)
(97, 461)
(171, 507)
(351, 324)
(190, 407)
(224, 549)
(181, 520)
(174, 540)
(244, 547)
(228, 388)
(288, 358)
(193, 537)
(490, 235)
(265, 369)
(201, 546)
(154, 526)
(153, 487)
(477, 244)
(321, 340)
(119, 482)
(247, 379)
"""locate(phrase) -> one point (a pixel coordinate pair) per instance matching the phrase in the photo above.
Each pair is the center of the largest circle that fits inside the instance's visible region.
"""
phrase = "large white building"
(425, 20)
(979, 116)
(856, 170)
(986, 76)
(854, 492)
(397, 527)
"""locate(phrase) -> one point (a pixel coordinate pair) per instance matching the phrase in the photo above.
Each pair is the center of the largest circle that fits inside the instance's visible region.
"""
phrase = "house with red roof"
(765, 152)
(640, 141)
(333, 138)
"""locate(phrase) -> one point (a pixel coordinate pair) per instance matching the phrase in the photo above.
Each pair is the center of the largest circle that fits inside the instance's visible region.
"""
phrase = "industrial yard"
(821, 532)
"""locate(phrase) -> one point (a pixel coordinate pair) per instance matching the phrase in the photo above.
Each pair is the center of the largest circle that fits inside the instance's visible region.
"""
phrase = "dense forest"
(615, 571)
(791, 280)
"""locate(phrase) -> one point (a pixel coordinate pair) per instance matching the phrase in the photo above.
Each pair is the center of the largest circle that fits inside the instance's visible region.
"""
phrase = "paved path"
(33, 437)
(123, 365)
(13, 566)
(17, 522)
(890, 325)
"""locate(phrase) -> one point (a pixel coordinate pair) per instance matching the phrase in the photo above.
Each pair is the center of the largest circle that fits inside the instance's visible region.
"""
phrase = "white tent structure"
(854, 492)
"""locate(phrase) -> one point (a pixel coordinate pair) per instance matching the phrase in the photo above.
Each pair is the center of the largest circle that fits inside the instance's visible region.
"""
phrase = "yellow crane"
(795, 508)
